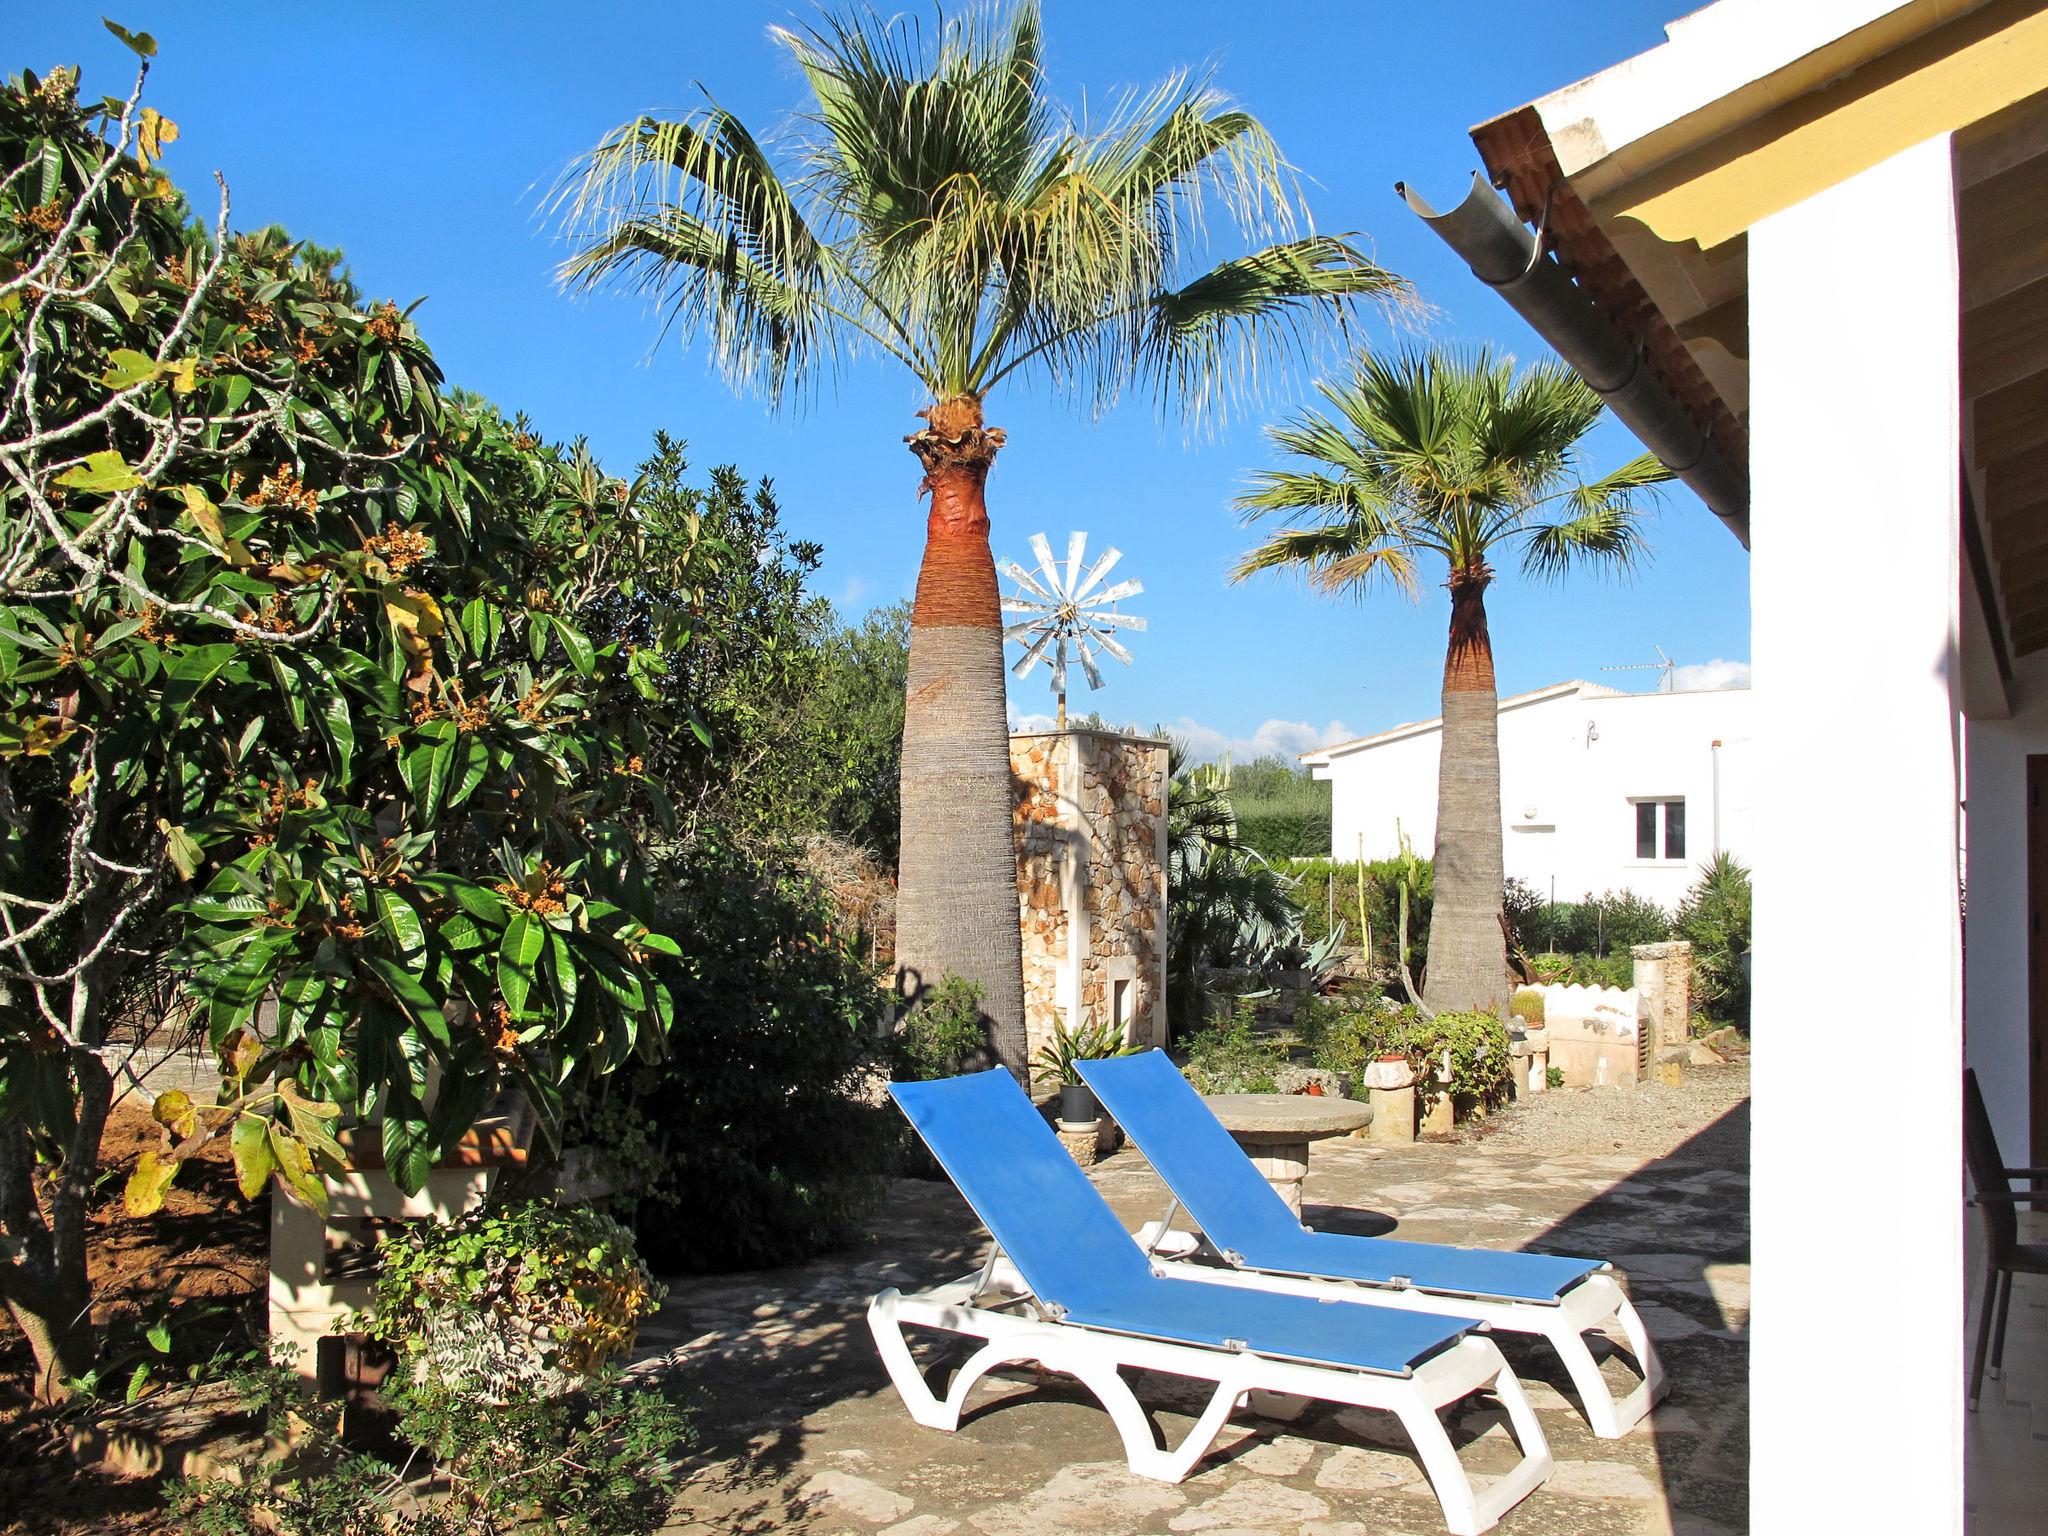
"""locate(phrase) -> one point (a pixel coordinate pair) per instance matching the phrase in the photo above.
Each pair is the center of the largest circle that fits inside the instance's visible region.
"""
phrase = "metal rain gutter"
(1505, 256)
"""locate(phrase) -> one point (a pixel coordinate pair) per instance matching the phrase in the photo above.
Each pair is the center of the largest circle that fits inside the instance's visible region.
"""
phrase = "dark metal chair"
(2008, 1256)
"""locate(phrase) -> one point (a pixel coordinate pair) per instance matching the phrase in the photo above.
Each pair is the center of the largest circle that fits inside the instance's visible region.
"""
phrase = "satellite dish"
(1071, 614)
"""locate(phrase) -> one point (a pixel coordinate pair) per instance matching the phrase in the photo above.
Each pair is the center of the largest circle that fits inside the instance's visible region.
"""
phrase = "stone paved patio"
(803, 1432)
(2005, 1443)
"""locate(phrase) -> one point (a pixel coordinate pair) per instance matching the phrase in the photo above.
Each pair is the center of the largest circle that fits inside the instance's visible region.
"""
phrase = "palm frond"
(934, 201)
(1349, 556)
(692, 212)
(1297, 494)
(761, 328)
(1444, 452)
(1606, 534)
(1215, 337)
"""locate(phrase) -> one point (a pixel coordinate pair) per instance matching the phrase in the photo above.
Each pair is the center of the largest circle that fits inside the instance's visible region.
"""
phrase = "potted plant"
(1056, 1058)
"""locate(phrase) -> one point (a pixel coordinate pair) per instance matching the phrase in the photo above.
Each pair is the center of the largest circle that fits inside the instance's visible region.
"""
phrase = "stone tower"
(1091, 880)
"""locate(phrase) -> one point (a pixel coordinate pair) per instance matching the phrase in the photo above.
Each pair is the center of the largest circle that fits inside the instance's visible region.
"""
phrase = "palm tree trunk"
(956, 900)
(1467, 954)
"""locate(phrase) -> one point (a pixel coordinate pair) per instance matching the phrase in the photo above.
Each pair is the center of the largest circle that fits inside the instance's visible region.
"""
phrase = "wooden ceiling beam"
(2003, 233)
(2010, 420)
(2005, 340)
(2017, 481)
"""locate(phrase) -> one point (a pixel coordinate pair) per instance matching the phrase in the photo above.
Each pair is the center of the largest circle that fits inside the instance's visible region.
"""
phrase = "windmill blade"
(1033, 654)
(1020, 631)
(1112, 647)
(1059, 666)
(1088, 666)
(1110, 622)
(1116, 593)
(1041, 548)
(1025, 605)
(1023, 578)
(1100, 569)
(1077, 546)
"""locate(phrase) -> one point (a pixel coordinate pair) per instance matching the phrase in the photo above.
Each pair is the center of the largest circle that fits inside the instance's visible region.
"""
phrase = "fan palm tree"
(1455, 456)
(933, 206)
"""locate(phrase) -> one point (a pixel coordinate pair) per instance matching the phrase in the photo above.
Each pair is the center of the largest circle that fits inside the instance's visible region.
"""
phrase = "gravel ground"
(1648, 1120)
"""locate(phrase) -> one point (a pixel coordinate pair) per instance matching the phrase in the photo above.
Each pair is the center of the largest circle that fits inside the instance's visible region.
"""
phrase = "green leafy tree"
(935, 206)
(856, 721)
(1452, 457)
(293, 698)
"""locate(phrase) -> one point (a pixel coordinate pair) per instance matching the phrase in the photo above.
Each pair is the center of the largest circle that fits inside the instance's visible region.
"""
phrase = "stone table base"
(1284, 1164)
(1275, 1130)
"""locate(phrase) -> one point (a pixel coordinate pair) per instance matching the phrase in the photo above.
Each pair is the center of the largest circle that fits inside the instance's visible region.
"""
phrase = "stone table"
(1275, 1130)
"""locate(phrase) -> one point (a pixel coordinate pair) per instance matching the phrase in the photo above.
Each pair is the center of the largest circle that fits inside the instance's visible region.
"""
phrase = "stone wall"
(1597, 1036)
(1091, 880)
(1664, 979)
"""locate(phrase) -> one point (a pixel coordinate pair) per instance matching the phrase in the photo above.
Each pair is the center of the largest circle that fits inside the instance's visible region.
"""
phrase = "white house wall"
(1857, 1232)
(1572, 766)
(1995, 877)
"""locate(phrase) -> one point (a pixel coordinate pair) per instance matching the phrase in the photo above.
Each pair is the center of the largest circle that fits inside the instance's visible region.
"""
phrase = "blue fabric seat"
(1244, 1217)
(1078, 1260)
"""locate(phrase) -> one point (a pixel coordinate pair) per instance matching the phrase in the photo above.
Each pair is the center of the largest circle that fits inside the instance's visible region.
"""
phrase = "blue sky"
(419, 137)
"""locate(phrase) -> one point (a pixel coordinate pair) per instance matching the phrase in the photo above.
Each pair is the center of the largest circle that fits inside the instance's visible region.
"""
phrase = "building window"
(1660, 824)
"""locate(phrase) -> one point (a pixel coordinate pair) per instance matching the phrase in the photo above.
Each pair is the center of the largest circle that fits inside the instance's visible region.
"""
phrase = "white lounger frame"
(1094, 1357)
(1596, 1304)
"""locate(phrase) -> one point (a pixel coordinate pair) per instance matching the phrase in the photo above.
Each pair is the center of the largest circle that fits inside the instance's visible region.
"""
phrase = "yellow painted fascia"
(1940, 82)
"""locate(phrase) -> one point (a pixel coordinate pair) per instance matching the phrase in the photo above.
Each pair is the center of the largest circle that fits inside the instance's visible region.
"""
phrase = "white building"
(1600, 790)
(1799, 247)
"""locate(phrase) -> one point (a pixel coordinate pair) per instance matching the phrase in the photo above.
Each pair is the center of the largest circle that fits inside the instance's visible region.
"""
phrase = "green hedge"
(1321, 901)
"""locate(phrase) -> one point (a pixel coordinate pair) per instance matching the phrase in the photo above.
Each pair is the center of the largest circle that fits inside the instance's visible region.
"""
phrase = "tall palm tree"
(932, 205)
(1452, 455)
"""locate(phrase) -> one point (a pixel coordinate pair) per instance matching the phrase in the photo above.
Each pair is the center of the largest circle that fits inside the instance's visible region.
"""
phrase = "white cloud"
(1710, 674)
(1206, 744)
(1281, 738)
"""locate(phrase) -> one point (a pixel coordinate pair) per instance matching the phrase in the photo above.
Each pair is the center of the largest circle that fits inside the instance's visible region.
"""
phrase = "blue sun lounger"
(1064, 1286)
(1266, 1247)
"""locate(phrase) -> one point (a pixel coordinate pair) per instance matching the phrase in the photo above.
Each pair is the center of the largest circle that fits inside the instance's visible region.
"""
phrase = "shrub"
(944, 1029)
(1232, 1057)
(527, 1297)
(1607, 924)
(1586, 970)
(1479, 1054)
(1715, 918)
(601, 1462)
(1527, 1005)
(751, 1143)
(1477, 1046)
(1351, 1040)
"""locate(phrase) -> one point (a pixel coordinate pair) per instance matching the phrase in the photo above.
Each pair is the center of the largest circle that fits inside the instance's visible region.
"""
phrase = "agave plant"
(931, 204)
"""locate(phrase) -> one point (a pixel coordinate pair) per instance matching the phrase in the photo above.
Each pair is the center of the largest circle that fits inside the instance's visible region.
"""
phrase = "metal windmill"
(1665, 668)
(1068, 608)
